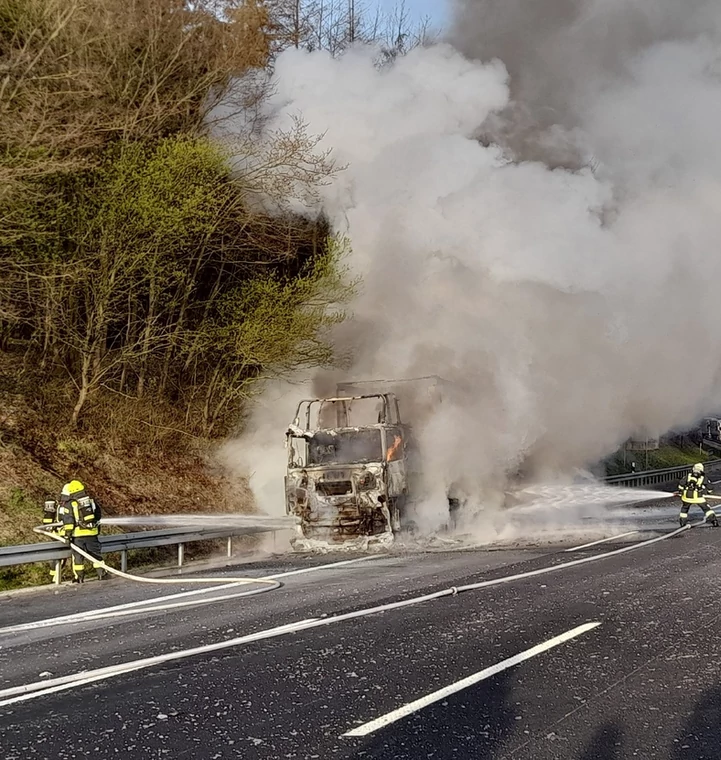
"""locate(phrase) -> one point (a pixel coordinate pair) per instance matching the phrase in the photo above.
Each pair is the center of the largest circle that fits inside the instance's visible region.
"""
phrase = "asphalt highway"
(614, 658)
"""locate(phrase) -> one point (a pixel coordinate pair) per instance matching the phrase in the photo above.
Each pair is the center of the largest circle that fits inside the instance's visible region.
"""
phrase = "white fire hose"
(268, 583)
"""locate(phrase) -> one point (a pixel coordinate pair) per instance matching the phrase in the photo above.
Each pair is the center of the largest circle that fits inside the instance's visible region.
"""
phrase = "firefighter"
(80, 516)
(692, 490)
(51, 518)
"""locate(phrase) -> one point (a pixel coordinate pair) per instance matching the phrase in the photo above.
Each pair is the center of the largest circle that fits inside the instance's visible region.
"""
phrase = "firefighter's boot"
(79, 577)
(711, 518)
(683, 519)
(103, 574)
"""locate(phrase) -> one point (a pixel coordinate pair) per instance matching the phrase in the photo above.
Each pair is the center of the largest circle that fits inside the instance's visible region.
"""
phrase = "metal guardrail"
(121, 543)
(50, 551)
(655, 477)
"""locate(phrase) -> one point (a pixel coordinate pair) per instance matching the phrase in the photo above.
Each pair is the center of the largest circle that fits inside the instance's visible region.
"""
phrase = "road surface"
(609, 659)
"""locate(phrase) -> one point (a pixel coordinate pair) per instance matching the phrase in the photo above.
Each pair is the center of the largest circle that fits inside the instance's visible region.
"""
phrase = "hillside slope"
(668, 455)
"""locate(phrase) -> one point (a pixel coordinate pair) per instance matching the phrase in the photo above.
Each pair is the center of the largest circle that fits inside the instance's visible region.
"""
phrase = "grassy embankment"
(665, 456)
(125, 483)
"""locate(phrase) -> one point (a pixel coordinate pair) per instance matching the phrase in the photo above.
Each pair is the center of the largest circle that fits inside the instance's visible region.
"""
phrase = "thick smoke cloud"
(535, 210)
(563, 54)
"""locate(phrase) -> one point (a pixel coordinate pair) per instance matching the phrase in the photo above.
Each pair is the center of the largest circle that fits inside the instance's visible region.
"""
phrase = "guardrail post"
(124, 560)
(181, 554)
(58, 571)
(230, 546)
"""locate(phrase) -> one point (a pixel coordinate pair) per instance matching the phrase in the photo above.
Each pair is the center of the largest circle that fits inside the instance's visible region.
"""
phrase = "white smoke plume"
(535, 210)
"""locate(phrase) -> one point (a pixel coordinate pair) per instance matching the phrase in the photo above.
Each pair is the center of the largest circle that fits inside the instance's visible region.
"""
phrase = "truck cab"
(347, 470)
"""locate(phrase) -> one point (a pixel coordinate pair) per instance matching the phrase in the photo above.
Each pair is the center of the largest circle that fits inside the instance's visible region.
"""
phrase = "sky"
(436, 9)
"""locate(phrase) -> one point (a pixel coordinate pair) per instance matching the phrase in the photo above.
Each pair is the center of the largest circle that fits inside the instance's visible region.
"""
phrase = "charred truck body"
(352, 463)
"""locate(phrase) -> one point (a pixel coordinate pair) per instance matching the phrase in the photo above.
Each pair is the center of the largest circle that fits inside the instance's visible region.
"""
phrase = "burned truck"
(352, 466)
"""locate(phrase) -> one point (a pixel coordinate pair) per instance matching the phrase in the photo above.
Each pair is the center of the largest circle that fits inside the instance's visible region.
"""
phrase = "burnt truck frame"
(348, 484)
(351, 486)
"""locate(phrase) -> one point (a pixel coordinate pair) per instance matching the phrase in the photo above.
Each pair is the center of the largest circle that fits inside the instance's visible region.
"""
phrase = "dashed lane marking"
(419, 704)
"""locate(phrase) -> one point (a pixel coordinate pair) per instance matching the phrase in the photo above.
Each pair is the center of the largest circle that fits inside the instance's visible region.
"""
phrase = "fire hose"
(268, 583)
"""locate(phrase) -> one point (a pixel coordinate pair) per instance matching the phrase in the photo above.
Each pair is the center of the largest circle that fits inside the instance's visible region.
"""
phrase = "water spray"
(218, 521)
(560, 496)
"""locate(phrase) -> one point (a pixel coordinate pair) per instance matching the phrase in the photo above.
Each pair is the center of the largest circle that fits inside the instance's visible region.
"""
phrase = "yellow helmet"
(72, 488)
(698, 469)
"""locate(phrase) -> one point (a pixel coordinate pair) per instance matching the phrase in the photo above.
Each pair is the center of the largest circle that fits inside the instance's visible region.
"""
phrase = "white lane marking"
(303, 570)
(101, 615)
(429, 699)
(154, 605)
(80, 678)
(575, 562)
(40, 688)
(602, 541)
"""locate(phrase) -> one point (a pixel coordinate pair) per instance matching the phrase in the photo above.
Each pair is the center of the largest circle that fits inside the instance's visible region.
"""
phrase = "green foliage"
(149, 274)
(25, 575)
(79, 451)
(19, 503)
(270, 321)
(134, 259)
(273, 325)
(143, 291)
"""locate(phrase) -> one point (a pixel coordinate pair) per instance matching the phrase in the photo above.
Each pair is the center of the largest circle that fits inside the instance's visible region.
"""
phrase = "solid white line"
(101, 615)
(50, 686)
(303, 570)
(154, 604)
(78, 679)
(39, 688)
(436, 696)
(602, 541)
(104, 614)
(575, 562)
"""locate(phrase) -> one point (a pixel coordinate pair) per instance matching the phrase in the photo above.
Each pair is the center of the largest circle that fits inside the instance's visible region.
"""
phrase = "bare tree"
(334, 25)
(138, 261)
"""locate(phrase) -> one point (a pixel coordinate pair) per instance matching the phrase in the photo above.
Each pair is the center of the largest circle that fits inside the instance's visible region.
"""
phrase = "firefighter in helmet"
(693, 490)
(80, 516)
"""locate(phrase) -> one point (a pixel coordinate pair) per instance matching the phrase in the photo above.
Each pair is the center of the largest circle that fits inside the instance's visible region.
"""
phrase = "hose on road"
(267, 583)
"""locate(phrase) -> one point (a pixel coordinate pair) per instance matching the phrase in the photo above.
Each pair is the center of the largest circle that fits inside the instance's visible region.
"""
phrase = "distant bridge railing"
(657, 477)
(51, 551)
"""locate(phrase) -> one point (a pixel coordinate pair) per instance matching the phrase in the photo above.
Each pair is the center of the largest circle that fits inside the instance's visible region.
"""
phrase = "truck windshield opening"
(345, 447)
